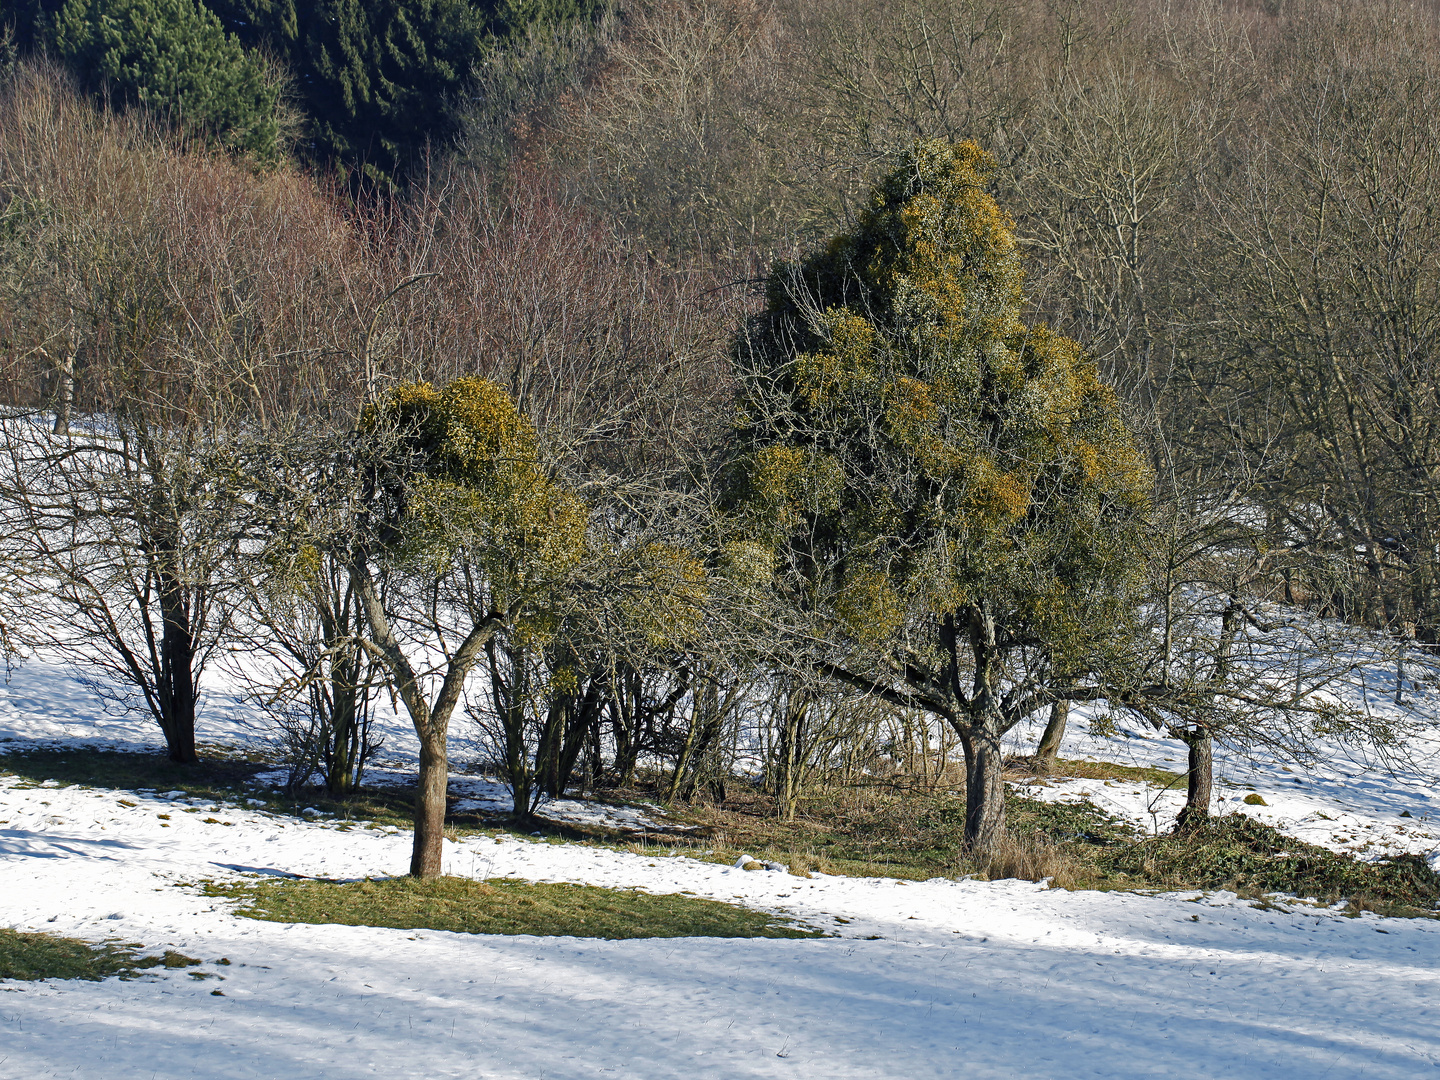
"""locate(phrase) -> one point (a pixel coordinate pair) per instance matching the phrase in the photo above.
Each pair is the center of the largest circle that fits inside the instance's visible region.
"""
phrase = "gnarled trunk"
(981, 732)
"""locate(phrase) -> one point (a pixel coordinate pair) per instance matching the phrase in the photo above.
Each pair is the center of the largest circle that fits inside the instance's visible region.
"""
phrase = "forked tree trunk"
(1049, 748)
(427, 853)
(432, 724)
(1200, 780)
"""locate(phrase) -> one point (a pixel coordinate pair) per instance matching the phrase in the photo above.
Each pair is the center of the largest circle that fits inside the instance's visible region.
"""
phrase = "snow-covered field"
(933, 979)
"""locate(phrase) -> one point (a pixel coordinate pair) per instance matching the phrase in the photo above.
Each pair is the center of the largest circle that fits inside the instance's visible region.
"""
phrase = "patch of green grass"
(1074, 769)
(48, 956)
(503, 906)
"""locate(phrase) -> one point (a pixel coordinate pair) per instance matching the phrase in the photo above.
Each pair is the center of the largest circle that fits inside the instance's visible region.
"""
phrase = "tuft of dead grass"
(1024, 768)
(1030, 857)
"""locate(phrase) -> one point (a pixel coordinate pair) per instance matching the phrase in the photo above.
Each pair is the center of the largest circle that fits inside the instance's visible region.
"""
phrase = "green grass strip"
(504, 906)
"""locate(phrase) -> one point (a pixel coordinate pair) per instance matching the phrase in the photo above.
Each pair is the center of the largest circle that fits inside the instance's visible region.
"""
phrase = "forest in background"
(407, 345)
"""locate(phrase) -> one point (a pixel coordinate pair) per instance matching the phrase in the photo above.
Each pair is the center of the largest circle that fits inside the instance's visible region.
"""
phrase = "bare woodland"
(530, 445)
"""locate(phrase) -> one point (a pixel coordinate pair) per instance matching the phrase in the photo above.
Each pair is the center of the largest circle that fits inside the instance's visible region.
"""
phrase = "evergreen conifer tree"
(379, 78)
(174, 57)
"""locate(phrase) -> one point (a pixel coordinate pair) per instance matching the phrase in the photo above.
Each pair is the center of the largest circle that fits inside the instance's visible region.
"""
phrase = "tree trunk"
(708, 771)
(790, 753)
(430, 791)
(431, 724)
(594, 755)
(984, 788)
(1049, 748)
(548, 748)
(64, 395)
(344, 737)
(517, 760)
(511, 699)
(1201, 780)
(575, 717)
(984, 724)
(1407, 634)
(176, 684)
(705, 707)
(625, 728)
(682, 764)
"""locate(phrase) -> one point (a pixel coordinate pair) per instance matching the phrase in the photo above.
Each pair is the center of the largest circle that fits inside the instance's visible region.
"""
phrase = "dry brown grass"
(1032, 857)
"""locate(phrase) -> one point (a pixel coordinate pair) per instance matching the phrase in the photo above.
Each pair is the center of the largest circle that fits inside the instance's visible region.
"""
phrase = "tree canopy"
(954, 494)
(456, 512)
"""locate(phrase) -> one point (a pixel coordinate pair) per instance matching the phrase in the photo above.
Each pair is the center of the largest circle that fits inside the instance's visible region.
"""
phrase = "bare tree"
(1329, 311)
(302, 613)
(148, 320)
(682, 136)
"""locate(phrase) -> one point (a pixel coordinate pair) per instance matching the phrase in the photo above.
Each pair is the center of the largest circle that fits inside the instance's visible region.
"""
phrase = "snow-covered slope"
(932, 979)
(1345, 799)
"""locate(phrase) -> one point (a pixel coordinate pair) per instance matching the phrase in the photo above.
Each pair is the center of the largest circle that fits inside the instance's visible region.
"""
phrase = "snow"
(918, 979)
(1343, 800)
(485, 795)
